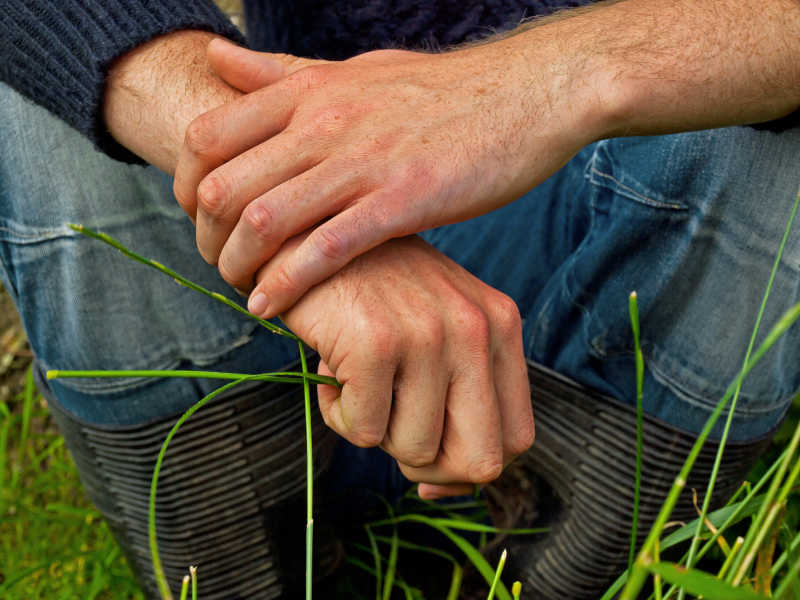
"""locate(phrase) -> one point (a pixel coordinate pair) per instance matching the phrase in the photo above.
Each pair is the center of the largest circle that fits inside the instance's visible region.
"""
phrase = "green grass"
(53, 545)
(53, 542)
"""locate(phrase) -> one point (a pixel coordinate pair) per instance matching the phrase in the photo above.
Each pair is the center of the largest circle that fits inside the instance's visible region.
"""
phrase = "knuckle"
(418, 456)
(326, 121)
(381, 343)
(259, 219)
(212, 195)
(365, 438)
(311, 77)
(283, 281)
(522, 437)
(475, 324)
(506, 314)
(419, 175)
(230, 277)
(486, 468)
(329, 244)
(201, 137)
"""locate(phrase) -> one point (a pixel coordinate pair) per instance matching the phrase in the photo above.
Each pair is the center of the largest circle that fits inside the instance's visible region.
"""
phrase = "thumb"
(248, 70)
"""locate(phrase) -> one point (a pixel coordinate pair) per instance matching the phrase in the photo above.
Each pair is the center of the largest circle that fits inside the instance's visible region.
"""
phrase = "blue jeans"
(691, 222)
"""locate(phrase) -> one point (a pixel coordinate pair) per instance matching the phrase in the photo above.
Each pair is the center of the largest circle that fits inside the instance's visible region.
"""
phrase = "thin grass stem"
(185, 587)
(193, 573)
(729, 421)
(516, 589)
(105, 238)
(497, 574)
(158, 568)
(376, 557)
(277, 376)
(633, 309)
(391, 565)
(309, 474)
(791, 578)
(644, 560)
(456, 577)
(734, 516)
(737, 546)
(793, 547)
(754, 534)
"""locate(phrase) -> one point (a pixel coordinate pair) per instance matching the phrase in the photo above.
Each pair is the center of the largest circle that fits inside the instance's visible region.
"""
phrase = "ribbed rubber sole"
(231, 494)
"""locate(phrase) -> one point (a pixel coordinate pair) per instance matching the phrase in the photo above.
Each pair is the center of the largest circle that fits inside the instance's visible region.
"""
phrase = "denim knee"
(692, 223)
(85, 306)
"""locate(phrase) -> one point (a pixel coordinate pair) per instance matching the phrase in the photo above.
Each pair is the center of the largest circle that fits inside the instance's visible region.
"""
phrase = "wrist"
(154, 91)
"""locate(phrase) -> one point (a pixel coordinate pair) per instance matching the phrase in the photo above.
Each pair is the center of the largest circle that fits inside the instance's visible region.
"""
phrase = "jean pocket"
(693, 227)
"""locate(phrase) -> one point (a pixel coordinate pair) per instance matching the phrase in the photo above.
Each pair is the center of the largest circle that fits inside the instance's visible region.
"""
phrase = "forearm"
(58, 53)
(156, 90)
(642, 67)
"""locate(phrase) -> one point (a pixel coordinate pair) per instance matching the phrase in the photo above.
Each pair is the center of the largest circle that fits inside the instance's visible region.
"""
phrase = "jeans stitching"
(633, 194)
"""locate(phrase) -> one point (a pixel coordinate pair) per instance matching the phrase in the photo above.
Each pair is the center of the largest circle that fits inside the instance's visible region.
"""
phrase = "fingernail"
(257, 304)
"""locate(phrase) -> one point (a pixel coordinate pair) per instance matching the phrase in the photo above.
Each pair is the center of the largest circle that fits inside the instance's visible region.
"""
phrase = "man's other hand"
(380, 146)
(430, 359)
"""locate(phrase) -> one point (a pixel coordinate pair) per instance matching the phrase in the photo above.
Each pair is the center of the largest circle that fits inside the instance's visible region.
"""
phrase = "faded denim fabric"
(83, 304)
(690, 221)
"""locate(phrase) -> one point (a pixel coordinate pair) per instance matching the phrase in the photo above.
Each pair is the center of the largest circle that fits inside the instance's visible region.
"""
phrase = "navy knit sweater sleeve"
(57, 53)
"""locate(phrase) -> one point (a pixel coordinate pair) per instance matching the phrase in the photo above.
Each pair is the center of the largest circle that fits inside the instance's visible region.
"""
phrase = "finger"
(324, 252)
(225, 192)
(512, 386)
(293, 206)
(241, 68)
(361, 412)
(471, 450)
(417, 418)
(226, 131)
(429, 491)
(248, 70)
(327, 395)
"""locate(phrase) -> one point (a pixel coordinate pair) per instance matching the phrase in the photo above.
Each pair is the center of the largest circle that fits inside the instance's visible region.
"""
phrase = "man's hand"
(154, 91)
(376, 147)
(430, 359)
(393, 142)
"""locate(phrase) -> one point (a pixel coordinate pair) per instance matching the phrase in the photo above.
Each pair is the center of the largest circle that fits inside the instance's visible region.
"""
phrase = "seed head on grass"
(185, 587)
(193, 573)
(497, 574)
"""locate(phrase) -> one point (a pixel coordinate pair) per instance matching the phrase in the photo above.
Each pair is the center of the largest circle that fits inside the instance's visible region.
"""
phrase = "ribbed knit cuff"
(58, 53)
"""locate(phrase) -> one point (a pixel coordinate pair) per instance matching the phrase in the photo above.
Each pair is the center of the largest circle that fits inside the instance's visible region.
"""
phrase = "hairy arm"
(664, 67)
(154, 91)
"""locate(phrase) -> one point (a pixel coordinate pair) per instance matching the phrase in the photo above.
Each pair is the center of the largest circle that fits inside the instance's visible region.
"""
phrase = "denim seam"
(631, 193)
(704, 404)
(39, 235)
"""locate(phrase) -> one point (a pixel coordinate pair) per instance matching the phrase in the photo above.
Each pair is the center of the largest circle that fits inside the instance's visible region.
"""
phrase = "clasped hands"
(306, 191)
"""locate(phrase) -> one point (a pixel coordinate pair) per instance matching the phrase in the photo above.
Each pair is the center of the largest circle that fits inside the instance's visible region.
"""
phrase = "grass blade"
(158, 568)
(702, 584)
(644, 560)
(309, 475)
(497, 574)
(277, 376)
(107, 239)
(475, 557)
(376, 557)
(723, 440)
(633, 309)
(193, 573)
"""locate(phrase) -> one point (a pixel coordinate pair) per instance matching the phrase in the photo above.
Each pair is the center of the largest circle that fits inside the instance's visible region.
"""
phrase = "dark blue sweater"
(57, 53)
